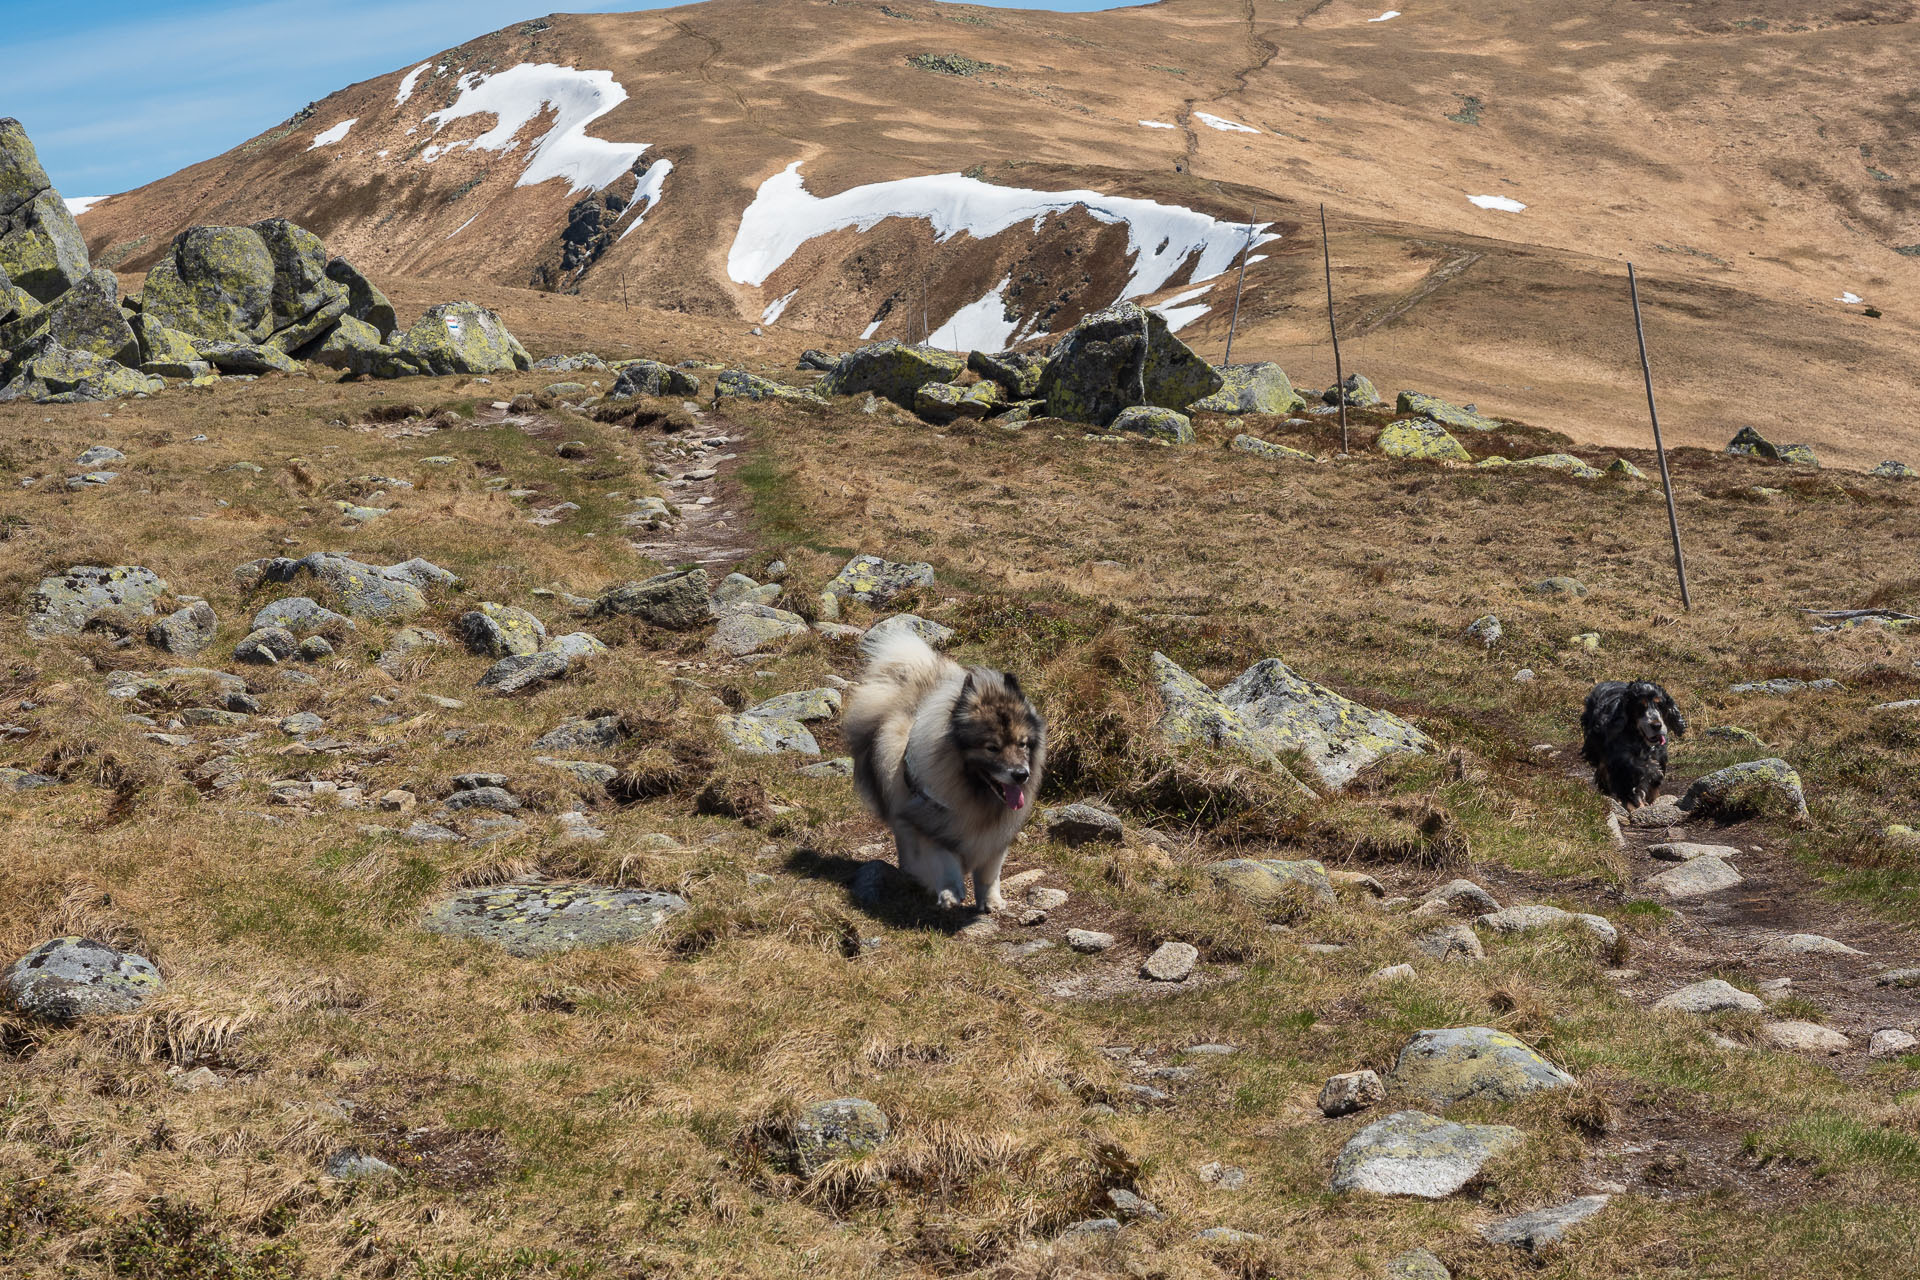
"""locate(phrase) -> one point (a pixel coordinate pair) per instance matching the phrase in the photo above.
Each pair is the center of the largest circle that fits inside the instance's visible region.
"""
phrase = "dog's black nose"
(1019, 775)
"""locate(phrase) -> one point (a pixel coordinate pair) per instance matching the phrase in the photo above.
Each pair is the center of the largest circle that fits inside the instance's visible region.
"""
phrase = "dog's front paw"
(947, 900)
(996, 901)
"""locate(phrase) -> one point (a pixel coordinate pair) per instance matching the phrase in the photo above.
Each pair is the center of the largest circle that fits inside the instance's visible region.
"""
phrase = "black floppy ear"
(1672, 712)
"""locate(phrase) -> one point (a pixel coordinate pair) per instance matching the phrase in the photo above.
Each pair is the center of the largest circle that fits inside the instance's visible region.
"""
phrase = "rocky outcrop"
(41, 250)
(1252, 388)
(64, 604)
(460, 337)
(1434, 409)
(896, 370)
(1119, 358)
(651, 378)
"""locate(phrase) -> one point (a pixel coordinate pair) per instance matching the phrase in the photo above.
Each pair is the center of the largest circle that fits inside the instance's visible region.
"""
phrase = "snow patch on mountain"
(1177, 313)
(518, 96)
(1225, 126)
(77, 205)
(406, 85)
(327, 137)
(652, 186)
(1161, 238)
(979, 326)
(1505, 204)
(777, 306)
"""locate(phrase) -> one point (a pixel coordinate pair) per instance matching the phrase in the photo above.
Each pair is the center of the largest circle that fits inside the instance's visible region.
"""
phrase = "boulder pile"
(265, 298)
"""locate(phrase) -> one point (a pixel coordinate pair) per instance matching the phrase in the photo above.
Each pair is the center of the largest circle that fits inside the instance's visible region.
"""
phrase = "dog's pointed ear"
(1012, 682)
(966, 689)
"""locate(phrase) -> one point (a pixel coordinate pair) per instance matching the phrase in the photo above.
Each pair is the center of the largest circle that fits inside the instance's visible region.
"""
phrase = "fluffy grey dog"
(949, 757)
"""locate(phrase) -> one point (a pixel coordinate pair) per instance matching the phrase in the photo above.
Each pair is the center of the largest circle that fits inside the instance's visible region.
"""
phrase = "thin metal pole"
(1339, 374)
(1246, 251)
(1666, 480)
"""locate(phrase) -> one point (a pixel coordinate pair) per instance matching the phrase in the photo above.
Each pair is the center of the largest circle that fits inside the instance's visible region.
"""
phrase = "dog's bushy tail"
(901, 670)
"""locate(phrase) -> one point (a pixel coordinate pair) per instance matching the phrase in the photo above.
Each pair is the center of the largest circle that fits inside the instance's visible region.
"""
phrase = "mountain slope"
(1754, 160)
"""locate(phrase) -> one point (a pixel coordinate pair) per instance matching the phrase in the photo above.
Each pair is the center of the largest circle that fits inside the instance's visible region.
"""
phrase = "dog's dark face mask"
(1647, 717)
(1000, 736)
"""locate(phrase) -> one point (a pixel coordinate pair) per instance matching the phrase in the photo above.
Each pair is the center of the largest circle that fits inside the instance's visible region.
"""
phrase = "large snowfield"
(517, 96)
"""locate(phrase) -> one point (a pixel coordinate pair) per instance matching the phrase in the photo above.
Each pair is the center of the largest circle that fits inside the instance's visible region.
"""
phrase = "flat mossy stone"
(68, 978)
(1155, 423)
(1252, 388)
(1561, 462)
(63, 604)
(767, 735)
(532, 919)
(1267, 882)
(1265, 449)
(675, 600)
(1454, 1064)
(651, 378)
(1757, 788)
(837, 1129)
(1420, 438)
(874, 580)
(738, 383)
(1411, 1153)
(1434, 409)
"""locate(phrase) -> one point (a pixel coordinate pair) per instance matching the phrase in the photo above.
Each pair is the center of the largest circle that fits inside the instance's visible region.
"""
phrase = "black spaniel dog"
(1625, 728)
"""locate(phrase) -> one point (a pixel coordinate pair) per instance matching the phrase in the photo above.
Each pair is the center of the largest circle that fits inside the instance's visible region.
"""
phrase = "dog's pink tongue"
(1014, 794)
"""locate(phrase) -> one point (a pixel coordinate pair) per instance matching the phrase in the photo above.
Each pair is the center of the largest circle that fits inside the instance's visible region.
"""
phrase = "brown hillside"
(1755, 160)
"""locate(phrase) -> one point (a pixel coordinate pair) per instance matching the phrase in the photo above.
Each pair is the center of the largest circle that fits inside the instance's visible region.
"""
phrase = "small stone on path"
(1543, 1227)
(1089, 941)
(1805, 1037)
(1171, 962)
(1696, 879)
(1709, 996)
(1351, 1091)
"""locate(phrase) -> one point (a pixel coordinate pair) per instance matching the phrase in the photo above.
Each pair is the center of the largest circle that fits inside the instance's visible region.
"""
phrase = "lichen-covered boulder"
(1454, 1064)
(365, 302)
(1016, 373)
(185, 631)
(352, 346)
(840, 1129)
(305, 300)
(1358, 391)
(1411, 1153)
(1420, 438)
(675, 601)
(363, 590)
(757, 734)
(501, 631)
(751, 628)
(49, 373)
(1119, 358)
(651, 378)
(1154, 423)
(518, 672)
(1266, 449)
(535, 919)
(87, 317)
(872, 580)
(303, 617)
(1434, 409)
(165, 351)
(267, 646)
(1337, 735)
(461, 337)
(751, 386)
(41, 249)
(896, 370)
(1892, 470)
(1758, 788)
(936, 635)
(1538, 915)
(214, 283)
(1560, 462)
(1268, 882)
(1625, 470)
(804, 705)
(245, 357)
(939, 401)
(1417, 1264)
(1799, 454)
(64, 604)
(1252, 388)
(1194, 715)
(68, 978)
(597, 733)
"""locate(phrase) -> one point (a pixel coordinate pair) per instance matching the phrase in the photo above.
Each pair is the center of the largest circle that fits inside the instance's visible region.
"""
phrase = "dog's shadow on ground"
(880, 890)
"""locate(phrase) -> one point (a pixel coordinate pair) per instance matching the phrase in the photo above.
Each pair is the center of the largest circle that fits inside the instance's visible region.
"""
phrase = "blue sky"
(116, 93)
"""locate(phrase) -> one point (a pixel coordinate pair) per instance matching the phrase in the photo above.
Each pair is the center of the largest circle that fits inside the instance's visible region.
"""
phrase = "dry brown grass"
(621, 1112)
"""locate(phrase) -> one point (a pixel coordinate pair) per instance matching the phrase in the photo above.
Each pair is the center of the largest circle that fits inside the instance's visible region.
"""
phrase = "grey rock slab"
(583, 734)
(743, 632)
(1812, 944)
(1338, 737)
(63, 604)
(1891, 1042)
(67, 978)
(934, 634)
(1351, 1091)
(1453, 942)
(1511, 920)
(496, 798)
(1089, 941)
(1411, 1153)
(1171, 962)
(1080, 823)
(1464, 895)
(1709, 996)
(1685, 851)
(1898, 978)
(1805, 1037)
(357, 1166)
(535, 918)
(875, 581)
(1543, 1227)
(1746, 790)
(1417, 1264)
(513, 674)
(1696, 879)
